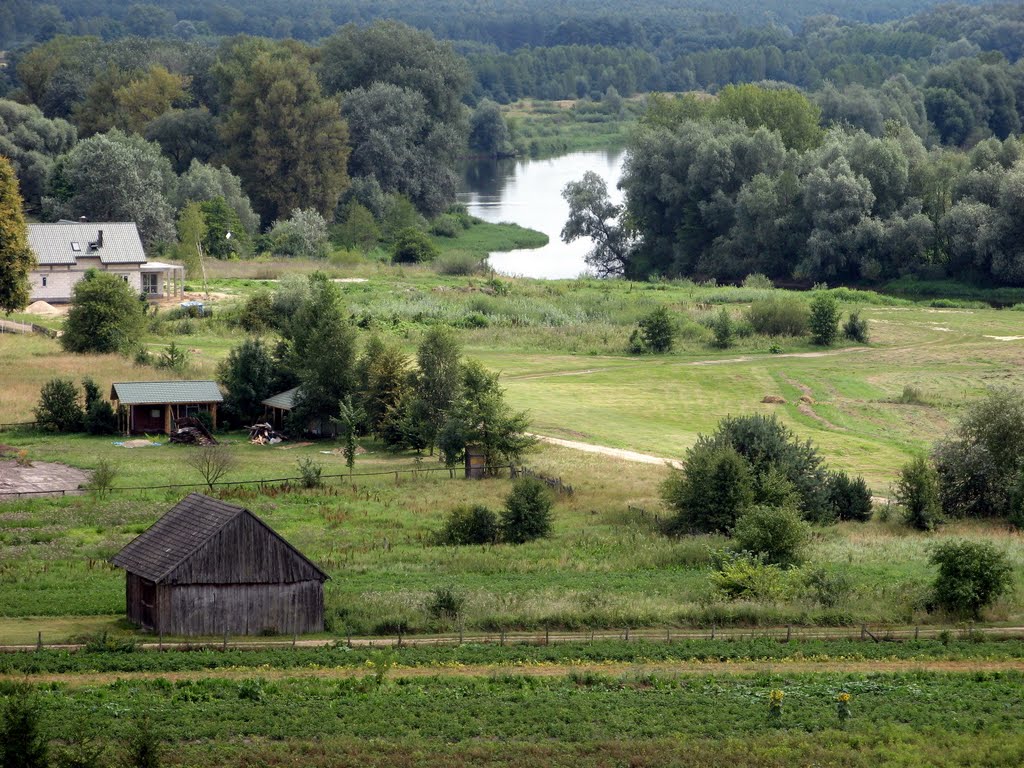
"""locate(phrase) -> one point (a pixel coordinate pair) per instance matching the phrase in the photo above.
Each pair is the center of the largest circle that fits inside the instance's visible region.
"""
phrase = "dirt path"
(604, 450)
(610, 670)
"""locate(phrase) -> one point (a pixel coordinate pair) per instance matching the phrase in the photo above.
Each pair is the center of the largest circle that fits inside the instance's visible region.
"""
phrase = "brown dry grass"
(28, 362)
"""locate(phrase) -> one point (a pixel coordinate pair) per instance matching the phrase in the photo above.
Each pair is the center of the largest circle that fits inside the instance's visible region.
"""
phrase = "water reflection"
(529, 193)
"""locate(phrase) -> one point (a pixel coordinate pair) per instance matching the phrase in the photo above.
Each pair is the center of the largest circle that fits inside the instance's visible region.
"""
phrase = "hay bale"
(774, 400)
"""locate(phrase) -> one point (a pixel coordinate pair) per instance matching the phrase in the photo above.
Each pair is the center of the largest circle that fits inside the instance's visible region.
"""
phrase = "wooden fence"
(555, 483)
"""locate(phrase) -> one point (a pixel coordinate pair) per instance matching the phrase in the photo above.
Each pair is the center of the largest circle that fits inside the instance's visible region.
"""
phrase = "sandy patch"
(604, 450)
(1005, 338)
(43, 309)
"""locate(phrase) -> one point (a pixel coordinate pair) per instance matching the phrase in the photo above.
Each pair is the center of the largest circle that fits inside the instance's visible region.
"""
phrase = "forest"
(907, 162)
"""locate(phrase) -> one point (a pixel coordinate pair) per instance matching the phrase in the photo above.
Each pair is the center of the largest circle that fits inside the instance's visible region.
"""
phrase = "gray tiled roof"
(153, 392)
(283, 400)
(51, 243)
(187, 526)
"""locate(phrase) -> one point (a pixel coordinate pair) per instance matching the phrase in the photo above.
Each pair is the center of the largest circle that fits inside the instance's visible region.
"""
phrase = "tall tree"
(115, 177)
(16, 259)
(438, 382)
(285, 139)
(592, 214)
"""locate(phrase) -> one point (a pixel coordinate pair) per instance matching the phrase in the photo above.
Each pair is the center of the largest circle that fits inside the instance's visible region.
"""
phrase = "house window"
(155, 413)
(150, 282)
(126, 278)
(76, 247)
(44, 281)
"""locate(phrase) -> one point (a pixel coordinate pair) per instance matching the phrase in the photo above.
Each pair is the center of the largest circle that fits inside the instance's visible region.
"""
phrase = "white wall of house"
(60, 279)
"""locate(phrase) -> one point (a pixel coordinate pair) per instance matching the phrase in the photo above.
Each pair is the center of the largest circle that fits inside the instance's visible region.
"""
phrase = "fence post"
(627, 634)
(917, 630)
(39, 642)
(225, 639)
(161, 639)
(789, 632)
(863, 631)
(547, 636)
(712, 631)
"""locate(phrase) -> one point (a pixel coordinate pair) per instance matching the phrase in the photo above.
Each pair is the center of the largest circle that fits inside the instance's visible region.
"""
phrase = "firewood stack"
(264, 434)
(191, 431)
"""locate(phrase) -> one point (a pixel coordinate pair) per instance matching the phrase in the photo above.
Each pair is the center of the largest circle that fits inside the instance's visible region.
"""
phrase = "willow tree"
(16, 259)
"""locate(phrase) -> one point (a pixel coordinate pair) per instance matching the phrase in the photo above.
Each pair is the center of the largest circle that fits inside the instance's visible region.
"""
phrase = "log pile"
(264, 434)
(191, 431)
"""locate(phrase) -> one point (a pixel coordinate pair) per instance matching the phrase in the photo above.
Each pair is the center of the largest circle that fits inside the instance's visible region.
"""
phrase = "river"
(529, 193)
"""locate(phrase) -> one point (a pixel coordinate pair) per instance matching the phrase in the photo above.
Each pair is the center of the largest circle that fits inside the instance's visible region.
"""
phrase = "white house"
(65, 250)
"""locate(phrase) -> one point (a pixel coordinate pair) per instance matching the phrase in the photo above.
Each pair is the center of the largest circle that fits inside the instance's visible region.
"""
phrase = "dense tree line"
(750, 183)
(193, 140)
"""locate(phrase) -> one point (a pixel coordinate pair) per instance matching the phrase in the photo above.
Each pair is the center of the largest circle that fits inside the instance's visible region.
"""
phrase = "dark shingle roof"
(175, 536)
(181, 532)
(159, 392)
(52, 243)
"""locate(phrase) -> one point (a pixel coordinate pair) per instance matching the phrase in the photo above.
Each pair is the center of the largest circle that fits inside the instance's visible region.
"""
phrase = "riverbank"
(542, 129)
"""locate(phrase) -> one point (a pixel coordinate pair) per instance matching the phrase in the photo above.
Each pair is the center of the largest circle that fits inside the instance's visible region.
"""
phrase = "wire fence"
(261, 483)
(787, 634)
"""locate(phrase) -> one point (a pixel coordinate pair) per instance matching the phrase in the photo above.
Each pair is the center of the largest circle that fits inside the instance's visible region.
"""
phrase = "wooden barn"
(207, 567)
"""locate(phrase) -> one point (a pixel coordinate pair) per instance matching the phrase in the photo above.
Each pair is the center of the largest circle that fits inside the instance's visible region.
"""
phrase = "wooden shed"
(208, 567)
(154, 406)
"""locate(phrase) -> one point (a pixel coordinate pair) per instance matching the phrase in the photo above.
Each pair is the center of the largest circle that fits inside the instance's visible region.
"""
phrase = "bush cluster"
(525, 517)
(788, 316)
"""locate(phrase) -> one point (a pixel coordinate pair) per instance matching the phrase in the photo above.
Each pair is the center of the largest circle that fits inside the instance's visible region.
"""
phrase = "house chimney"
(99, 240)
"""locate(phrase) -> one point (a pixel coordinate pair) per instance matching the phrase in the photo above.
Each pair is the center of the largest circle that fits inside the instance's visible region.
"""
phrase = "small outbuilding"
(279, 408)
(154, 406)
(208, 567)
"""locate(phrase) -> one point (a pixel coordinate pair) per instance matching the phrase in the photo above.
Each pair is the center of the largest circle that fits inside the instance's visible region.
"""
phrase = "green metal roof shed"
(153, 392)
(154, 406)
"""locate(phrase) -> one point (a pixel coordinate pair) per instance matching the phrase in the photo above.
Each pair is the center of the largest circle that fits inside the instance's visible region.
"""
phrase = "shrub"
(258, 313)
(849, 497)
(446, 225)
(103, 477)
(459, 264)
(768, 444)
(787, 316)
(527, 513)
(711, 491)
(173, 358)
(972, 576)
(143, 749)
(917, 491)
(979, 465)
(100, 419)
(824, 319)
(911, 395)
(723, 328)
(758, 281)
(446, 604)
(22, 743)
(310, 471)
(59, 409)
(742, 576)
(656, 332)
(856, 329)
(776, 533)
(412, 247)
(469, 525)
(827, 587)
